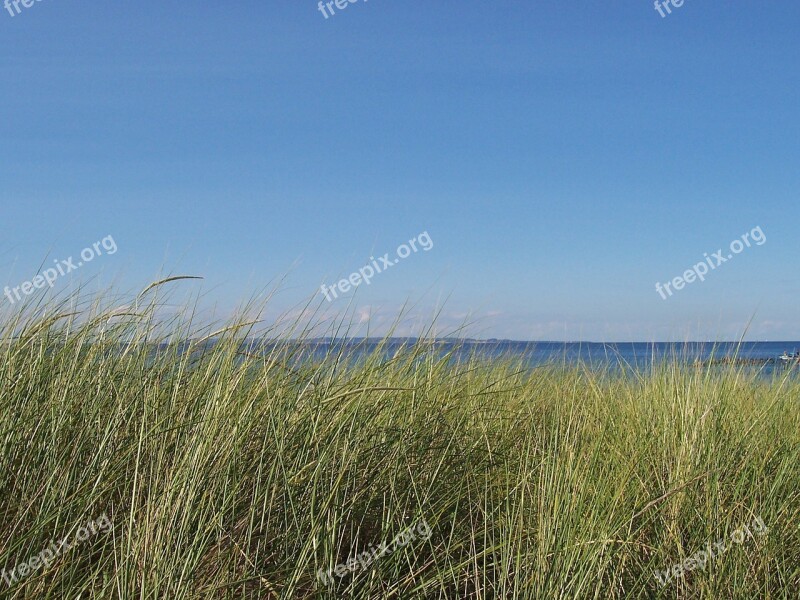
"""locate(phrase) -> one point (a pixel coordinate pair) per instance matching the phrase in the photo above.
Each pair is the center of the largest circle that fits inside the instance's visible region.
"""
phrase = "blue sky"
(563, 157)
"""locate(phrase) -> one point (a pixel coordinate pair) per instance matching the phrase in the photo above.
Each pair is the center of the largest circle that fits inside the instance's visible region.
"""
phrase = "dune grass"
(232, 471)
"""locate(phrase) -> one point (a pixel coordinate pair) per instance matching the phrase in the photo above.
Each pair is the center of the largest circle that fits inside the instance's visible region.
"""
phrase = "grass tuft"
(235, 469)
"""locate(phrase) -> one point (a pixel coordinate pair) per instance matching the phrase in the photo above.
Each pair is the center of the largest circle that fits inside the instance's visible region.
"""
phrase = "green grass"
(231, 474)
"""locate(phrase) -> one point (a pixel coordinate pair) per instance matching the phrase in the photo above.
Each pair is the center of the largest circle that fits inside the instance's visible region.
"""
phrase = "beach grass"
(232, 470)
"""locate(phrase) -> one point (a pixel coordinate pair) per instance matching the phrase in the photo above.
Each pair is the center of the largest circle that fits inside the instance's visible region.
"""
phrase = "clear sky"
(563, 157)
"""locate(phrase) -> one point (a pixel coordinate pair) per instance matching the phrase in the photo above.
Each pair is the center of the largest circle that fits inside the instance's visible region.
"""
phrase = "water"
(636, 355)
